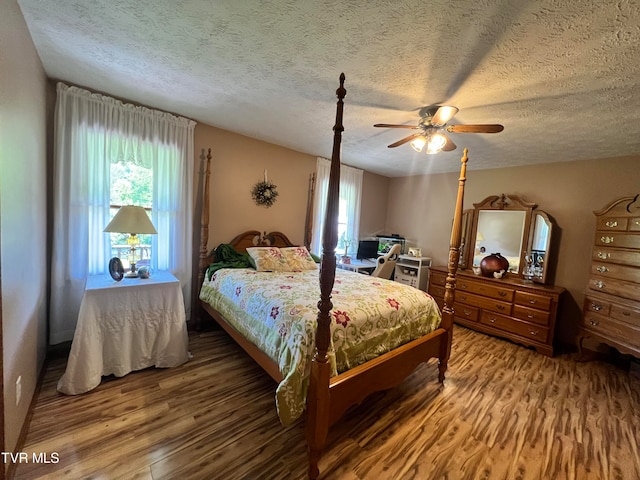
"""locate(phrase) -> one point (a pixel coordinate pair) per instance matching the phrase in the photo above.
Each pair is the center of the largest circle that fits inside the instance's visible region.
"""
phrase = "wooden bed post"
(318, 393)
(204, 236)
(454, 256)
(308, 224)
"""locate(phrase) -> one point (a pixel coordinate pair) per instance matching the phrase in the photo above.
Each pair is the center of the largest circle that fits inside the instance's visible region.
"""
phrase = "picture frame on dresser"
(611, 309)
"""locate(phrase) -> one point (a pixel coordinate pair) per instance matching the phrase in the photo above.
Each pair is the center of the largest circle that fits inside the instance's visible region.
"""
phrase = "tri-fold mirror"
(513, 227)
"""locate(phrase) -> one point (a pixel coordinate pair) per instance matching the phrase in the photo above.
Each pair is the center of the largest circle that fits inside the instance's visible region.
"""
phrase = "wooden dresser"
(507, 307)
(611, 311)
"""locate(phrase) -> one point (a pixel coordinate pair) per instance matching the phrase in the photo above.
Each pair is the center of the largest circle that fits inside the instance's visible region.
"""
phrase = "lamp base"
(133, 272)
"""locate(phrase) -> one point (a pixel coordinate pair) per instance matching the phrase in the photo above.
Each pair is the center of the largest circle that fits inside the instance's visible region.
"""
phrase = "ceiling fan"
(433, 128)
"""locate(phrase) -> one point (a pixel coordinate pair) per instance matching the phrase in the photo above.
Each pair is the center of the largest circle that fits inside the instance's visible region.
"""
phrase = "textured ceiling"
(561, 76)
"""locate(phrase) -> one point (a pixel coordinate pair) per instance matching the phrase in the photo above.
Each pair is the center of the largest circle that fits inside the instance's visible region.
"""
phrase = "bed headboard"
(254, 238)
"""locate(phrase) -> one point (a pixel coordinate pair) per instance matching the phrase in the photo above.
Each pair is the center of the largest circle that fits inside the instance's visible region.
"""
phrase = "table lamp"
(132, 220)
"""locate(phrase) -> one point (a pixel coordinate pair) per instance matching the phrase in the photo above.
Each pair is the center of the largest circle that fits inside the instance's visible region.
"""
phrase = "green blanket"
(227, 257)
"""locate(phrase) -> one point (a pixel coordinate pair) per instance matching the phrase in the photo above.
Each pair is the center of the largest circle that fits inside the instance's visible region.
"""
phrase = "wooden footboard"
(382, 373)
(328, 398)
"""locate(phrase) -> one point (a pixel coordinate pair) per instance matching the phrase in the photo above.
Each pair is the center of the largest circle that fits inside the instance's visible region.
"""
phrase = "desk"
(359, 266)
(126, 326)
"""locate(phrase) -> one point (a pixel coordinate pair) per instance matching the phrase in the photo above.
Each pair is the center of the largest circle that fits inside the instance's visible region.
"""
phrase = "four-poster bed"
(329, 395)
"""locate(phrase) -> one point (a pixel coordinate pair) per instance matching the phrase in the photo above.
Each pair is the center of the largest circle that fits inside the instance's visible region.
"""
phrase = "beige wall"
(238, 162)
(422, 207)
(23, 135)
(373, 210)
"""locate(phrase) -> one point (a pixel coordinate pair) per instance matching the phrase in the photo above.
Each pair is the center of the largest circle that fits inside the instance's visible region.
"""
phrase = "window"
(131, 184)
(348, 208)
(108, 153)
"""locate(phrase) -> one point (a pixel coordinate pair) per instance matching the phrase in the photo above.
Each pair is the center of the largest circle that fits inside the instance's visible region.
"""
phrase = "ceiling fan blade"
(449, 145)
(405, 140)
(488, 128)
(443, 115)
(389, 125)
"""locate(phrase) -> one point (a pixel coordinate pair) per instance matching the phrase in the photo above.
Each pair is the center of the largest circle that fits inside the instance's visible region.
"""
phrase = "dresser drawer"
(438, 278)
(532, 300)
(436, 290)
(613, 286)
(483, 302)
(612, 270)
(609, 327)
(519, 327)
(626, 314)
(596, 305)
(466, 311)
(531, 315)
(613, 255)
(493, 291)
(618, 240)
(613, 223)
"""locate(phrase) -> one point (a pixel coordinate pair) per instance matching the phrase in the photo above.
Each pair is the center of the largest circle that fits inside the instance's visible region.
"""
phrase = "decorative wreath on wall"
(264, 193)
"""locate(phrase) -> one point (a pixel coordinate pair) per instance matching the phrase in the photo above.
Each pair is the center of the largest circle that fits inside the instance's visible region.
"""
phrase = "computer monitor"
(367, 249)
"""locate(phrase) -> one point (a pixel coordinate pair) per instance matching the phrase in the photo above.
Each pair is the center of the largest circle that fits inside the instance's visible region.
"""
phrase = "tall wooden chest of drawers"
(507, 307)
(611, 311)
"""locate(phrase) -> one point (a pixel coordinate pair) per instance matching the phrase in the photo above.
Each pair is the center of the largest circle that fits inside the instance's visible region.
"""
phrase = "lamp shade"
(131, 219)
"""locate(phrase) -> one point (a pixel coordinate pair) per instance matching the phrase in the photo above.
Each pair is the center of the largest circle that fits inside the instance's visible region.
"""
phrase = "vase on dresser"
(611, 310)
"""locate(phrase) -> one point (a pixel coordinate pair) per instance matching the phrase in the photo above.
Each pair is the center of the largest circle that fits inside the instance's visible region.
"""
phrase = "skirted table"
(126, 326)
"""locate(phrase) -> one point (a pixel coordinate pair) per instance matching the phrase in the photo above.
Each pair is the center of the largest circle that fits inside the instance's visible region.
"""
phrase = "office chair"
(387, 263)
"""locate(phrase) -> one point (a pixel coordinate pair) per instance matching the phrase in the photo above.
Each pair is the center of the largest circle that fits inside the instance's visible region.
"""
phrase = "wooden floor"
(505, 412)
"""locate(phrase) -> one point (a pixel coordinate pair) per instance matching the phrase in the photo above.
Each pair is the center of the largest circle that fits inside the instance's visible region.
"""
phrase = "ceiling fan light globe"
(436, 142)
(418, 144)
(443, 114)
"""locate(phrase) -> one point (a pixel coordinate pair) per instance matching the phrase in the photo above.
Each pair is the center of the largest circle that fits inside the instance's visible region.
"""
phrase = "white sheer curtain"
(350, 195)
(91, 132)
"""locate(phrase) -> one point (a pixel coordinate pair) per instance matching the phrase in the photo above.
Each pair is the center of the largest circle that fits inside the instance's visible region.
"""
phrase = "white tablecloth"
(126, 326)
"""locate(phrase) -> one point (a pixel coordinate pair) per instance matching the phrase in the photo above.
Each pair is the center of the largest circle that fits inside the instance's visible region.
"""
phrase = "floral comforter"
(277, 312)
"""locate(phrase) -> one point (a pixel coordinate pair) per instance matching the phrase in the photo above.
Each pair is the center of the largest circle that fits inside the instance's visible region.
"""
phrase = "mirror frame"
(544, 274)
(502, 202)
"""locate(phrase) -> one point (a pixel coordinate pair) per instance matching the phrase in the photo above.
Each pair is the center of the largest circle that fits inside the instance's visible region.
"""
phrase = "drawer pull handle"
(602, 269)
(533, 301)
(611, 224)
(502, 294)
(531, 317)
(467, 313)
(500, 307)
(606, 239)
(626, 314)
(533, 332)
(492, 320)
(595, 323)
(463, 297)
(595, 306)
(637, 222)
(599, 284)
(603, 255)
(463, 285)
